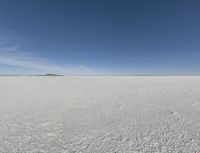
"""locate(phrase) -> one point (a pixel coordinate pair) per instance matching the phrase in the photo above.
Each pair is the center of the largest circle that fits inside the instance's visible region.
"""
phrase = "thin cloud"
(10, 55)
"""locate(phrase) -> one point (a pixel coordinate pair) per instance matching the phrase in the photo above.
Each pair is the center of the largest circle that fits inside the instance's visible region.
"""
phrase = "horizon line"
(59, 75)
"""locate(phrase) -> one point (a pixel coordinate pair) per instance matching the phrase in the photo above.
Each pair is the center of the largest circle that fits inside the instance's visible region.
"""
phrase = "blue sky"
(100, 37)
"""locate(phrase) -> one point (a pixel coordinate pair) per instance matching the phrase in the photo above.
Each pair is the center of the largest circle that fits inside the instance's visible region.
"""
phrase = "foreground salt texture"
(99, 114)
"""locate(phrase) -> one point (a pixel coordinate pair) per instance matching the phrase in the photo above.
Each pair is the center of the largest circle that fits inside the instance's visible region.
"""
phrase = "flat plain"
(100, 114)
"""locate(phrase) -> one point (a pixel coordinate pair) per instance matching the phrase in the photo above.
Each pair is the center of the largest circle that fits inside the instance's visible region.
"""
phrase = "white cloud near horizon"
(11, 56)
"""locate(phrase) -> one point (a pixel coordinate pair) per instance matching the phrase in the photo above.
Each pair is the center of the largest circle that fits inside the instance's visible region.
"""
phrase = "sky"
(100, 37)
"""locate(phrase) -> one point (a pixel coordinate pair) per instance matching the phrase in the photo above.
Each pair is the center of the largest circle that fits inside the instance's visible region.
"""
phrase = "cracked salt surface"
(99, 114)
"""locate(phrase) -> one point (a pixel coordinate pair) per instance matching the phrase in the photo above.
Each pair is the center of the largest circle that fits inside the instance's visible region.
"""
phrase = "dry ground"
(100, 114)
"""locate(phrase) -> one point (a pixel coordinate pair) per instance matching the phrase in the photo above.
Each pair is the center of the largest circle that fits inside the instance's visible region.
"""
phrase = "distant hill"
(48, 74)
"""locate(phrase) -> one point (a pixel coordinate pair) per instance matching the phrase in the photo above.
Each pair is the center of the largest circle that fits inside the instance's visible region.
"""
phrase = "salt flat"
(100, 114)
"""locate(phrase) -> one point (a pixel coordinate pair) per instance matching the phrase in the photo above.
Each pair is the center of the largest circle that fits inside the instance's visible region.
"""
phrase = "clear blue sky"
(100, 36)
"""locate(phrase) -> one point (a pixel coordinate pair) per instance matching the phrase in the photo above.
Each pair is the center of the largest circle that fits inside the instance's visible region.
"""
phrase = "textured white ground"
(99, 114)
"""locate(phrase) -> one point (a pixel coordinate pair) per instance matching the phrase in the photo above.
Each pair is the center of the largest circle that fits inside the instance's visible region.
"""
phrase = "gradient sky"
(100, 36)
